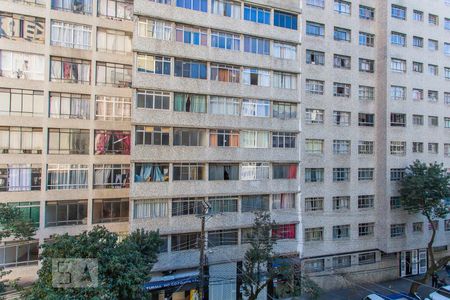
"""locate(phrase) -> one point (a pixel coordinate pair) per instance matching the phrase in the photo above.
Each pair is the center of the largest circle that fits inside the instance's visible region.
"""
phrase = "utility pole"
(202, 216)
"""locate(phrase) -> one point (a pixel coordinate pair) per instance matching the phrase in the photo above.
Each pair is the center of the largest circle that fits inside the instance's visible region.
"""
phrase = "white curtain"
(150, 209)
(19, 178)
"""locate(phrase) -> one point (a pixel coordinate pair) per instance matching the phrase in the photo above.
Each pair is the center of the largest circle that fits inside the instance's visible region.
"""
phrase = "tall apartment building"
(65, 106)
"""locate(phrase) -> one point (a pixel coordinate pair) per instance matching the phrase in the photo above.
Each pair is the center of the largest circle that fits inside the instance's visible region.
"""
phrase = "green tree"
(422, 190)
(13, 226)
(123, 266)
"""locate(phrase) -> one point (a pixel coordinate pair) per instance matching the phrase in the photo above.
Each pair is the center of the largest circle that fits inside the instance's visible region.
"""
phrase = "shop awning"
(160, 282)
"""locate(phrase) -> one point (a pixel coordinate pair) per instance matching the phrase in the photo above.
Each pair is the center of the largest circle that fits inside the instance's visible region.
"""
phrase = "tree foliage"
(123, 266)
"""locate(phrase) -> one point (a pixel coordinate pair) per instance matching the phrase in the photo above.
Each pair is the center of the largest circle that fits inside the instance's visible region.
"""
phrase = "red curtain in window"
(101, 140)
(292, 172)
(284, 232)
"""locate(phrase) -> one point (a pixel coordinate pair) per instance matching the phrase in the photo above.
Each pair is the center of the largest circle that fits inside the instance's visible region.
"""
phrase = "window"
(366, 229)
(433, 96)
(341, 202)
(341, 174)
(256, 77)
(447, 98)
(418, 41)
(63, 177)
(189, 137)
(398, 65)
(284, 232)
(223, 172)
(317, 265)
(398, 230)
(366, 39)
(116, 75)
(254, 203)
(366, 201)
(26, 140)
(224, 106)
(254, 171)
(433, 70)
(395, 202)
(256, 14)
(398, 38)
(21, 27)
(68, 141)
(223, 204)
(418, 120)
(417, 67)
(365, 174)
(285, 20)
(150, 209)
(314, 234)
(112, 142)
(398, 148)
(397, 174)
(70, 35)
(222, 238)
(115, 176)
(199, 5)
(314, 116)
(447, 23)
(190, 103)
(187, 206)
(225, 40)
(314, 204)
(367, 258)
(151, 172)
(112, 108)
(418, 15)
(254, 139)
(185, 241)
(29, 211)
(446, 122)
(18, 102)
(398, 12)
(433, 121)
(69, 106)
(433, 19)
(366, 93)
(20, 177)
(417, 94)
(226, 8)
(315, 87)
(188, 172)
(63, 213)
(284, 110)
(398, 120)
(365, 147)
(191, 35)
(314, 146)
(342, 34)
(317, 3)
(314, 174)
(447, 73)
(284, 171)
(156, 29)
(223, 138)
(110, 210)
(342, 61)
(190, 69)
(315, 29)
(447, 49)
(341, 89)
(152, 64)
(341, 147)
(255, 108)
(417, 147)
(447, 225)
(417, 226)
(366, 12)
(366, 65)
(225, 73)
(341, 232)
(342, 7)
(342, 261)
(120, 9)
(433, 148)
(398, 92)
(284, 51)
(148, 135)
(113, 41)
(315, 57)
(433, 45)
(284, 80)
(152, 99)
(367, 120)
(21, 65)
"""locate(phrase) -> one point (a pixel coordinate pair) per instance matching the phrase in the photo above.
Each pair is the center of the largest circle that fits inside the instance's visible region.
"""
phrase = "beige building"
(139, 115)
